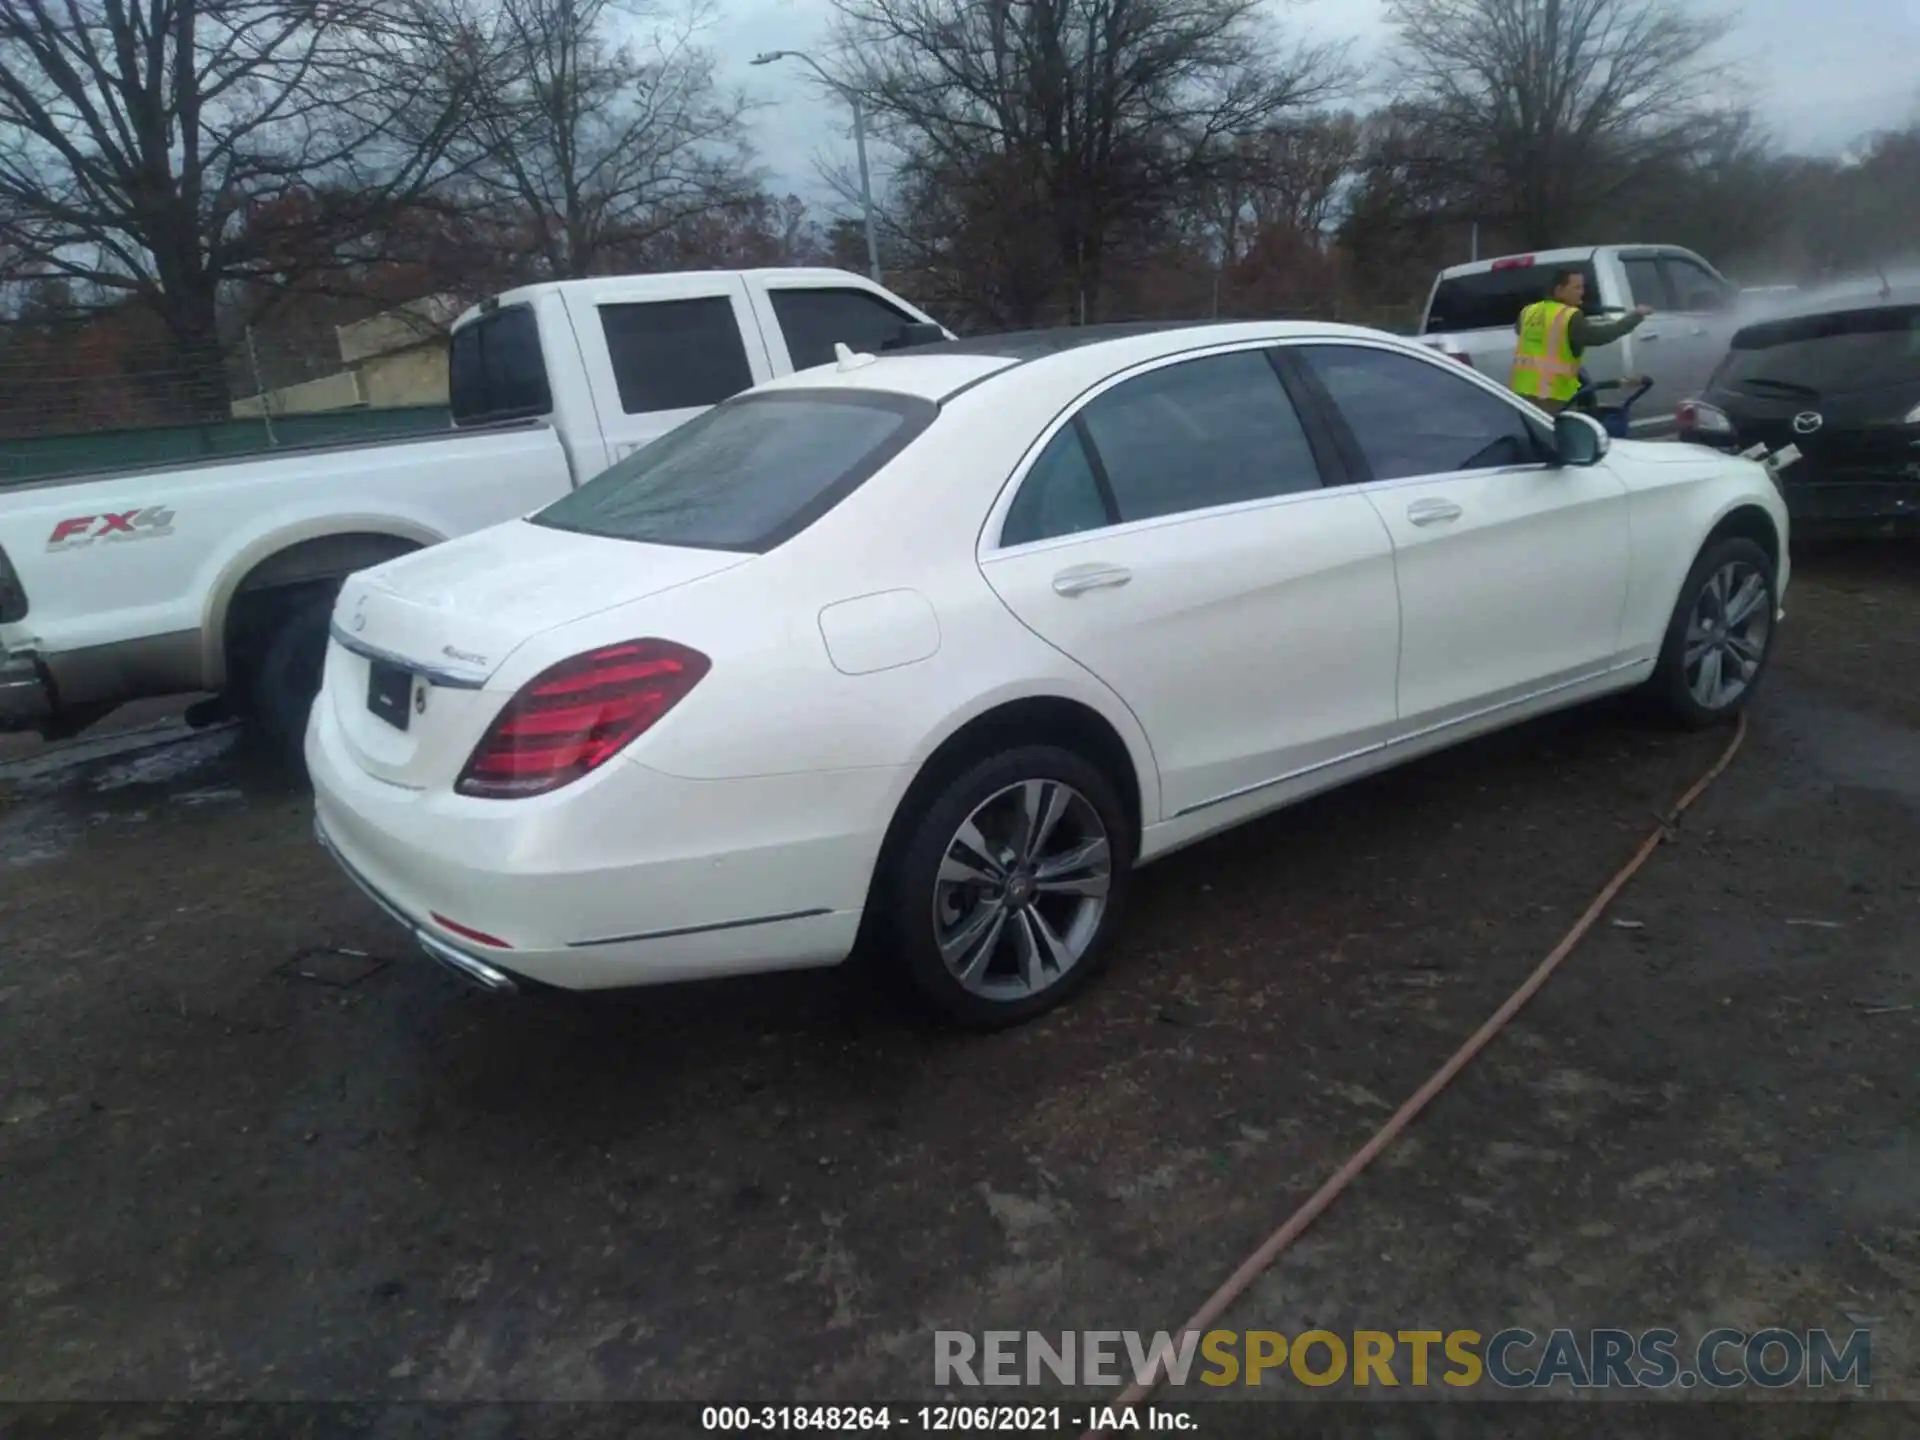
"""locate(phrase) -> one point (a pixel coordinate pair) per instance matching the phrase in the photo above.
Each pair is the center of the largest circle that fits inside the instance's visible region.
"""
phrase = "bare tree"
(1046, 131)
(166, 149)
(601, 146)
(1548, 109)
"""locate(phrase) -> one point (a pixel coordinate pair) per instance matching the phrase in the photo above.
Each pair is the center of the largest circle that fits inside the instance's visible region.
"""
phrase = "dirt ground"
(228, 1179)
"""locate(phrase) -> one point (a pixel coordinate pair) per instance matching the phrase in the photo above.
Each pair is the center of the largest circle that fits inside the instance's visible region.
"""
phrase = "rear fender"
(322, 549)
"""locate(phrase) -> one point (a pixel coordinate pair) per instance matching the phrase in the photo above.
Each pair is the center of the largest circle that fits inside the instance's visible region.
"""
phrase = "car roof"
(939, 370)
(1847, 297)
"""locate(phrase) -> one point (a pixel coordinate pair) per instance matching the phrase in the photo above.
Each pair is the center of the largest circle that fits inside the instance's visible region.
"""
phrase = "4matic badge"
(79, 530)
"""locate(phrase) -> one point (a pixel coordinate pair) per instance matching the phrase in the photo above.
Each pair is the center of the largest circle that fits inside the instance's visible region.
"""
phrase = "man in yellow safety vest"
(1554, 334)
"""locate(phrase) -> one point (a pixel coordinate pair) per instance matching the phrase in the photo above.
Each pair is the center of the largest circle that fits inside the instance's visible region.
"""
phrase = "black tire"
(287, 681)
(1670, 689)
(910, 893)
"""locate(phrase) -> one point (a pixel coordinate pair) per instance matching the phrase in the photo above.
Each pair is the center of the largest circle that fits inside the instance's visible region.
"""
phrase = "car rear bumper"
(628, 877)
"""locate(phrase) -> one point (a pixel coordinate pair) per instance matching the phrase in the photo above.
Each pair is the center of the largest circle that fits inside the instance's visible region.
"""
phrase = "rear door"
(1512, 572)
(1173, 535)
(660, 350)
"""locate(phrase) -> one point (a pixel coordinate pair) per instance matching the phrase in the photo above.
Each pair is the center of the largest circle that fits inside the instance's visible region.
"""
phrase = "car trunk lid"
(418, 639)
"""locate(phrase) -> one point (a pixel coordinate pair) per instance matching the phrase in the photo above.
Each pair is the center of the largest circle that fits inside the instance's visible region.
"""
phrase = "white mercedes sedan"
(924, 654)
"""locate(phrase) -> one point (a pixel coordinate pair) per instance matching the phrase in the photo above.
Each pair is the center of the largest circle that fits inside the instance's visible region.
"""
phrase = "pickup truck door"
(1701, 322)
(804, 317)
(1658, 346)
(660, 349)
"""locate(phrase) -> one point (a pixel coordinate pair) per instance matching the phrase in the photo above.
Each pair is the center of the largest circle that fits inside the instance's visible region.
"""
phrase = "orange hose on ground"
(1297, 1223)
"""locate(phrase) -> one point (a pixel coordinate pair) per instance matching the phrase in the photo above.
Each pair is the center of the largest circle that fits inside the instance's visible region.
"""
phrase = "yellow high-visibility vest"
(1544, 365)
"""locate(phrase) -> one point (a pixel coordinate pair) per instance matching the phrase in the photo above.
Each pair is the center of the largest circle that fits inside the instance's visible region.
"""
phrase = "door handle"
(1089, 577)
(1432, 512)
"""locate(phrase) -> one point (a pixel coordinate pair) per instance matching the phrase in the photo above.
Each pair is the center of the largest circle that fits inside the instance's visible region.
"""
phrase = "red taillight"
(1514, 262)
(574, 717)
(1686, 415)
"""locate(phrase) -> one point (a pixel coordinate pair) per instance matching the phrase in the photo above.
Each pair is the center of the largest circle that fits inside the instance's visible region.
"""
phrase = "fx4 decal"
(80, 530)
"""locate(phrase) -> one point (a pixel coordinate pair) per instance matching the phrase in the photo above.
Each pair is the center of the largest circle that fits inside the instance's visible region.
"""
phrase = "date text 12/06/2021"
(939, 1419)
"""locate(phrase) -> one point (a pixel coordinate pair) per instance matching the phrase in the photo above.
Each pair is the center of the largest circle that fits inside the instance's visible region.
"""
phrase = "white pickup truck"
(219, 577)
(1472, 309)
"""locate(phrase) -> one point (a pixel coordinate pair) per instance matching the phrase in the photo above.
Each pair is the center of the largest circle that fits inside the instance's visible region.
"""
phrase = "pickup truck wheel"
(1719, 638)
(288, 679)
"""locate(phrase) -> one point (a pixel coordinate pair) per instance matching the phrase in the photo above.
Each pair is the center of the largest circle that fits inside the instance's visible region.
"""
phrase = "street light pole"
(859, 144)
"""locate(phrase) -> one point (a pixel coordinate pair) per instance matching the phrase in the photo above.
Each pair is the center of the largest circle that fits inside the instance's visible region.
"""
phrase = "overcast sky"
(1825, 71)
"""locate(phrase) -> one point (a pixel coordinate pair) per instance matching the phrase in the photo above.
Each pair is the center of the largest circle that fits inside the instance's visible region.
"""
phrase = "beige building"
(391, 361)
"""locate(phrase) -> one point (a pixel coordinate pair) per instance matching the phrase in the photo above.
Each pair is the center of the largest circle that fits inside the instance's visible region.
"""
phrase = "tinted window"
(675, 354)
(1200, 433)
(1646, 284)
(495, 370)
(1493, 299)
(812, 320)
(1410, 417)
(1060, 495)
(1694, 287)
(1826, 354)
(747, 475)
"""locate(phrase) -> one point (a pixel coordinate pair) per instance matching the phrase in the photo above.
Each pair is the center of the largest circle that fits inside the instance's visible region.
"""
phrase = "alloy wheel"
(1727, 634)
(1022, 889)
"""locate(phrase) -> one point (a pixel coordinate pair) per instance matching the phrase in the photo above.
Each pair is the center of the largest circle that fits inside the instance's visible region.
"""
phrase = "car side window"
(1060, 495)
(1645, 283)
(675, 354)
(812, 320)
(1189, 436)
(1415, 417)
(1695, 288)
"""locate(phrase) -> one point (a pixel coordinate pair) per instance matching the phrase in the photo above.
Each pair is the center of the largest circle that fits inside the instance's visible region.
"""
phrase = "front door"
(1700, 326)
(1512, 571)
(1175, 539)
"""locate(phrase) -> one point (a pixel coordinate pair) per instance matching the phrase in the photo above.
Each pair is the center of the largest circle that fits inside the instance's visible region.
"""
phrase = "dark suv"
(1839, 377)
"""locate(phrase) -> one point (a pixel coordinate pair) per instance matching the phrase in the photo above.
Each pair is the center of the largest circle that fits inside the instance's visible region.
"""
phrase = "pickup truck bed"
(1472, 309)
(157, 581)
(219, 576)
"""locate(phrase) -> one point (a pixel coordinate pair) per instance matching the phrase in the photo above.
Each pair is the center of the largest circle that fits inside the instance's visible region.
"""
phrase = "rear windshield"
(1826, 354)
(1493, 299)
(495, 370)
(748, 474)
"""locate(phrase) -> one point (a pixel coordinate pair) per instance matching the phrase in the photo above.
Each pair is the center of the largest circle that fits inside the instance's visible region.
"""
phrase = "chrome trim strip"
(702, 929)
(465, 966)
(1397, 740)
(445, 679)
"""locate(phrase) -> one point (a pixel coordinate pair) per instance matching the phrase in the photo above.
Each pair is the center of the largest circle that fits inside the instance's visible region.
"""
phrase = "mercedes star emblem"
(1806, 422)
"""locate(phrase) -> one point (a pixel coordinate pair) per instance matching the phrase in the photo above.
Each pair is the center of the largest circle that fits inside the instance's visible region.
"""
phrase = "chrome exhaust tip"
(475, 972)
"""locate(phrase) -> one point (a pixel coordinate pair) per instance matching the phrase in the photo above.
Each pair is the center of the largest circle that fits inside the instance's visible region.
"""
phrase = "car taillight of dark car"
(575, 716)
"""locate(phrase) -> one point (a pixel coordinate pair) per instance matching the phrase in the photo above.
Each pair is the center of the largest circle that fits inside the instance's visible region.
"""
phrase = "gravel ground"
(239, 1167)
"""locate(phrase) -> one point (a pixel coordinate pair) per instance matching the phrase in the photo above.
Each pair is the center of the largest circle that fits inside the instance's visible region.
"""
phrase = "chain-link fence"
(114, 393)
(103, 396)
